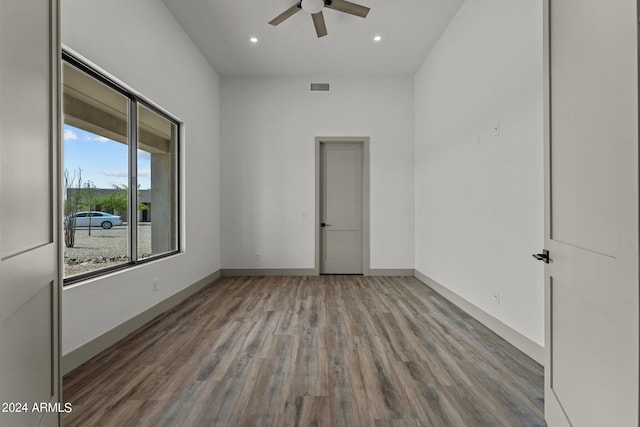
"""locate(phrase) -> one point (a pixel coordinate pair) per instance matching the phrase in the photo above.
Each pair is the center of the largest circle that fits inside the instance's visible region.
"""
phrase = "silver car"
(98, 219)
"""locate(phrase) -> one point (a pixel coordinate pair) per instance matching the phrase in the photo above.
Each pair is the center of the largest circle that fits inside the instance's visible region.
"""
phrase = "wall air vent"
(323, 87)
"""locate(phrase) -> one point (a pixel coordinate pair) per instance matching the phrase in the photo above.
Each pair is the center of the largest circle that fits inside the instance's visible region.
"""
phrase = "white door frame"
(364, 140)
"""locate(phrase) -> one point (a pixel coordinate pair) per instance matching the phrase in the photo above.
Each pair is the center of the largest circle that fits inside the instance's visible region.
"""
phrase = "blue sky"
(103, 161)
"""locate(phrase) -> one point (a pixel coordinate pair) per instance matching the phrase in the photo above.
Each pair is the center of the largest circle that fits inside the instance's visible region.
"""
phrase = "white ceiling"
(222, 28)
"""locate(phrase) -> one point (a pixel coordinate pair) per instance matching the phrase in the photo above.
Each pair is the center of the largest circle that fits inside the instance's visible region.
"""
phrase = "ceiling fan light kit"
(314, 8)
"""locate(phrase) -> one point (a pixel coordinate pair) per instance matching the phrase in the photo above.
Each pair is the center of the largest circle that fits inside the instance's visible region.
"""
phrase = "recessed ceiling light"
(253, 40)
(377, 38)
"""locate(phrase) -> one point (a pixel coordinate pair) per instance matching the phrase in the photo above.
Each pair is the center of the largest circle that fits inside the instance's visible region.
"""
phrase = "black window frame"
(133, 100)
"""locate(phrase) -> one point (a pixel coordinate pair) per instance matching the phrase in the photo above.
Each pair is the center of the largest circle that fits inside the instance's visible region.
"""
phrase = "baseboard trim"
(230, 272)
(521, 342)
(82, 354)
(392, 272)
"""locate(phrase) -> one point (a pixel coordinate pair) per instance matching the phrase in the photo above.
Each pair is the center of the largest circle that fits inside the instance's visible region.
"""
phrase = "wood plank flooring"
(309, 351)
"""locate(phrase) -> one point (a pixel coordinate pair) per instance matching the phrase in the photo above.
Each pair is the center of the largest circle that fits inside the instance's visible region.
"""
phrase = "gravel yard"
(104, 248)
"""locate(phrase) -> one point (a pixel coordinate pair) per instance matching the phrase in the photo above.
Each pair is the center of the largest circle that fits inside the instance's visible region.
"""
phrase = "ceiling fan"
(314, 7)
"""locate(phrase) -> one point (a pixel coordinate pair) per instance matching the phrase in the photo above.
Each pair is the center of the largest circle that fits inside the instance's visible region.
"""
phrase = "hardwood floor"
(309, 351)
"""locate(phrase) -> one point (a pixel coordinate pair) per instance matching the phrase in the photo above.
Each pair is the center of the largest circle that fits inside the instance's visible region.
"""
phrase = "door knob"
(544, 256)
(324, 224)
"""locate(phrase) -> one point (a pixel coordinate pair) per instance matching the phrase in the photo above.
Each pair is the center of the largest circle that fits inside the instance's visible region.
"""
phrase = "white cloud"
(144, 172)
(117, 173)
(69, 135)
(101, 139)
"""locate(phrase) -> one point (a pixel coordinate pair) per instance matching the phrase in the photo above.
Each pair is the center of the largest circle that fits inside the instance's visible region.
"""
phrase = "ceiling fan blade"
(348, 7)
(318, 22)
(286, 14)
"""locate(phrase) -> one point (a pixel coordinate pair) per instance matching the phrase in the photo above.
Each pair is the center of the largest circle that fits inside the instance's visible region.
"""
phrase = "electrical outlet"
(257, 256)
(496, 129)
(155, 285)
(496, 297)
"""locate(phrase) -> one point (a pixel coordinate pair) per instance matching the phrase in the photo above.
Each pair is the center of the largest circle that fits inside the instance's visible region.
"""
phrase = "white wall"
(140, 43)
(479, 197)
(269, 127)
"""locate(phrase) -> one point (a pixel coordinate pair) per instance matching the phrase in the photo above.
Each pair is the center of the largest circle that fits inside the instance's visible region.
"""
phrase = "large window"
(120, 175)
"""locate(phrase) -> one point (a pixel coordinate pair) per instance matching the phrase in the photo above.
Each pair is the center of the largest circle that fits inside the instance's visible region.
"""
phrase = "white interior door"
(592, 214)
(29, 283)
(341, 210)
